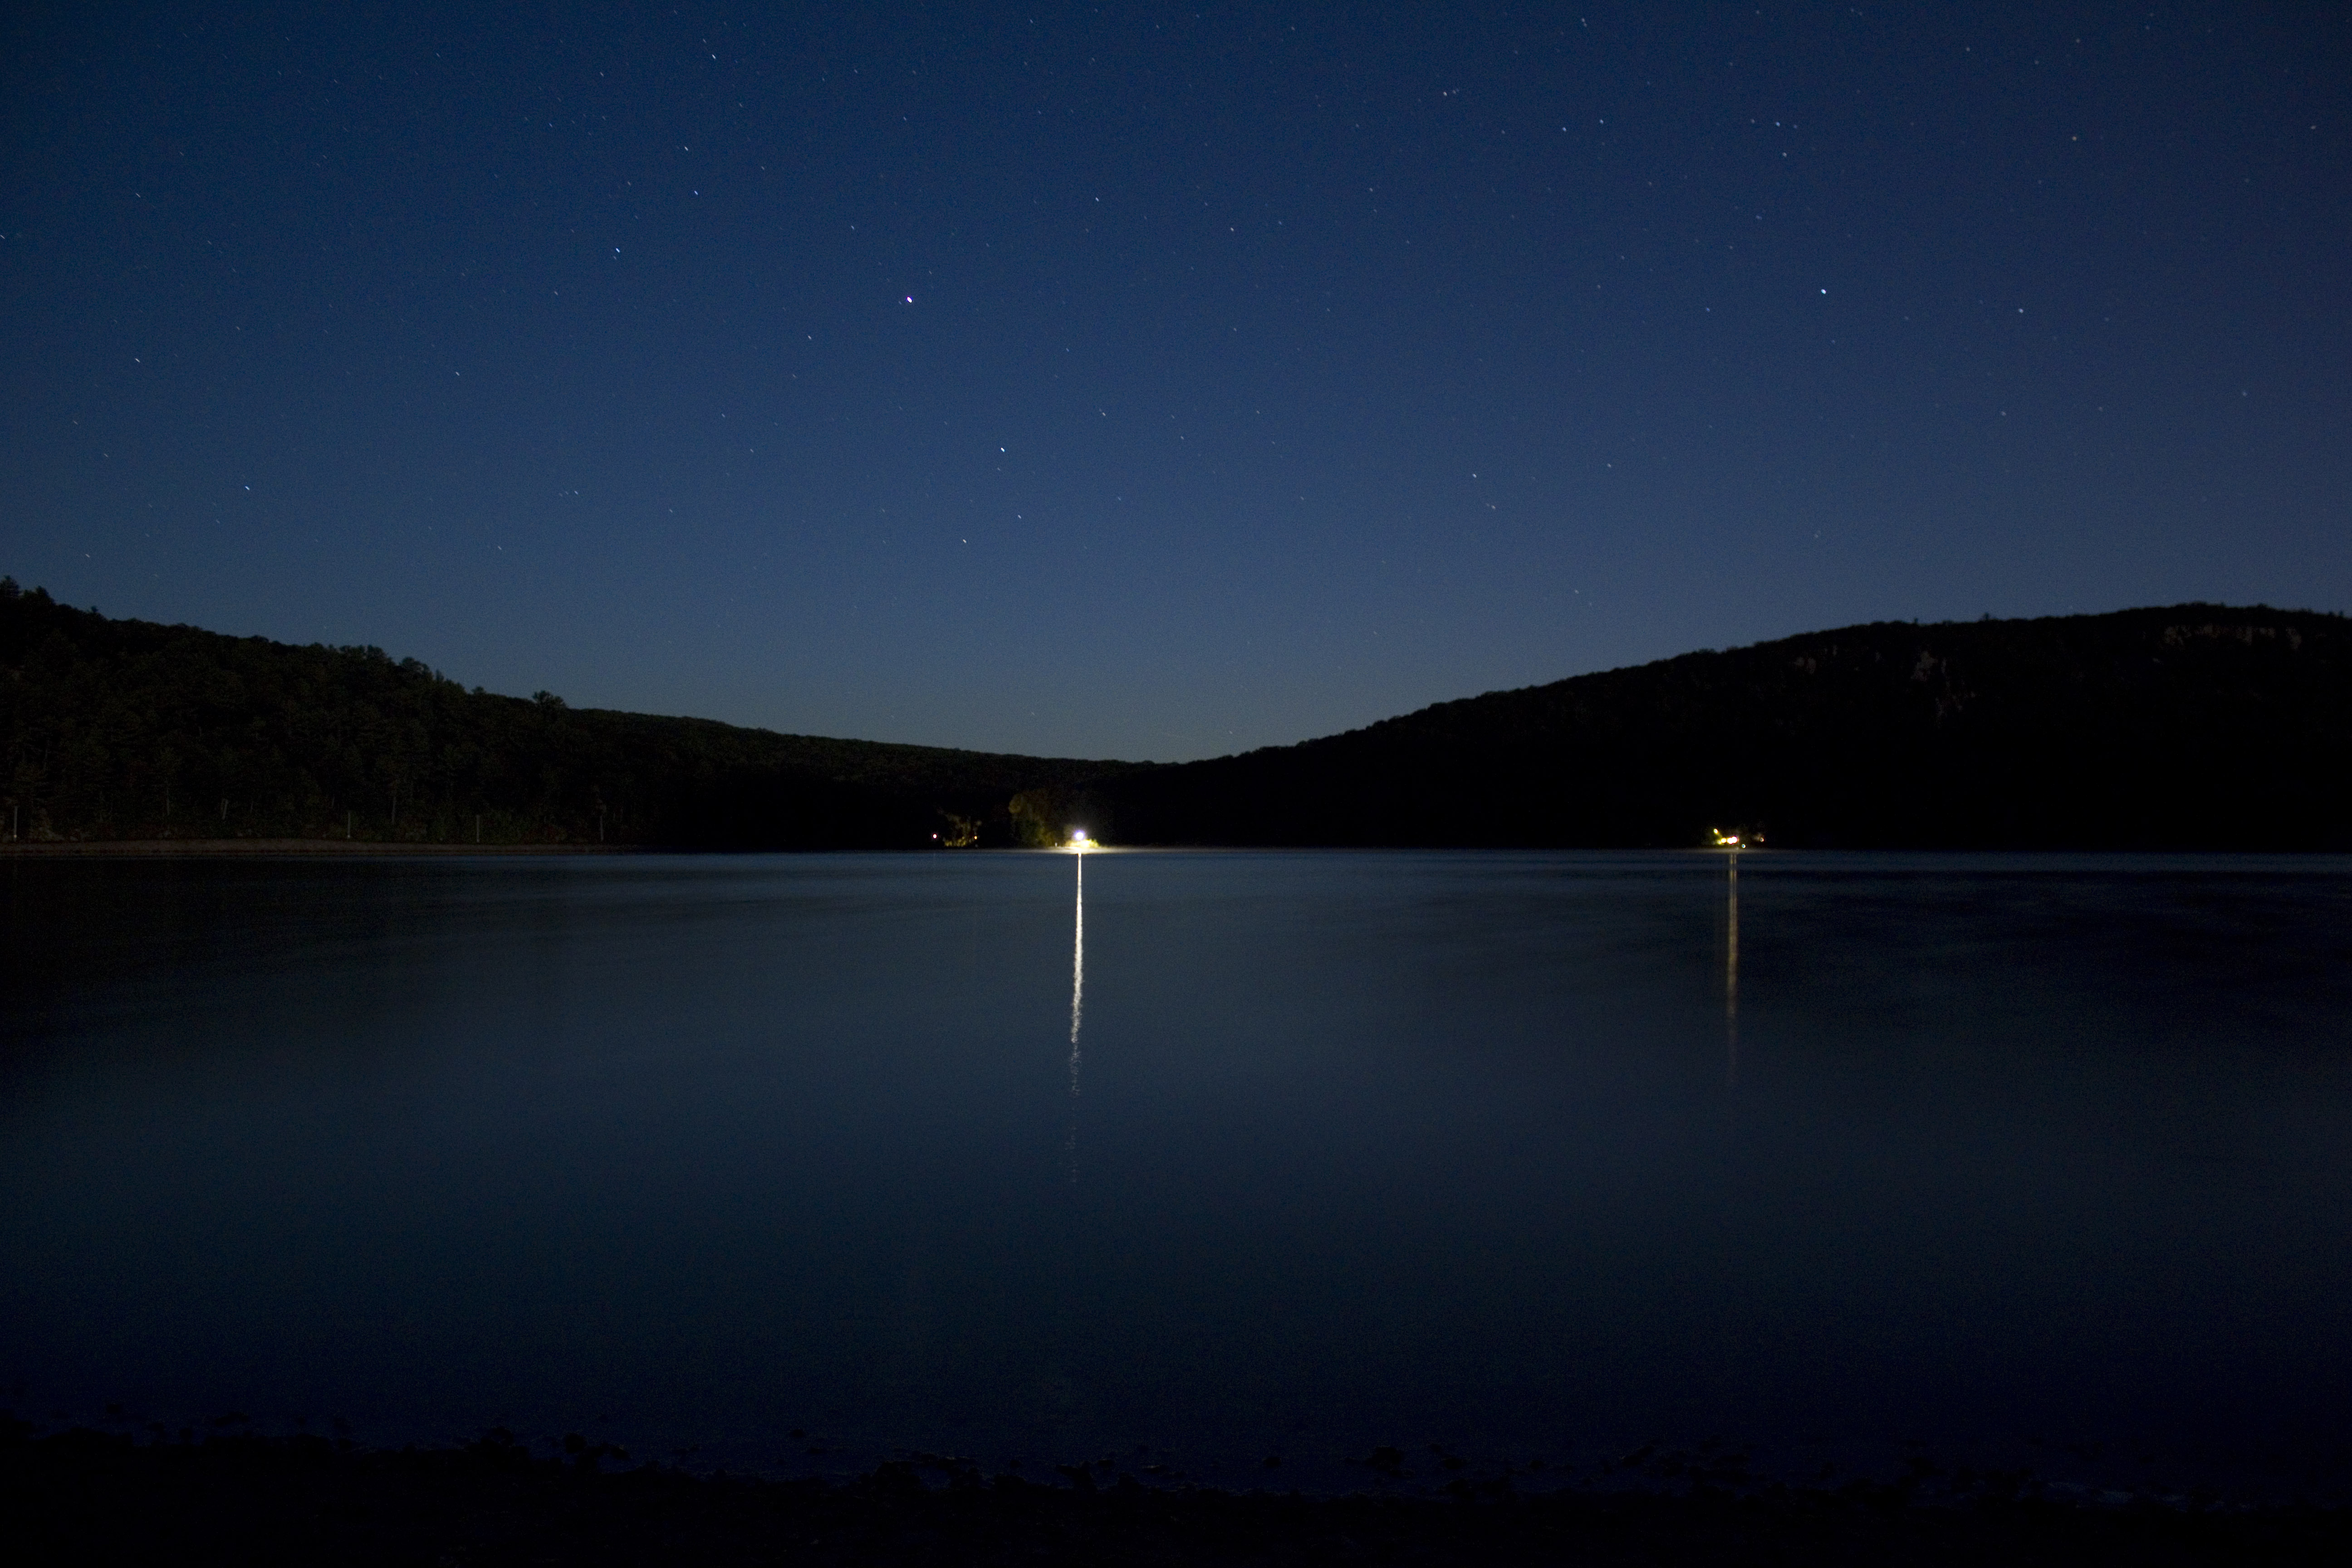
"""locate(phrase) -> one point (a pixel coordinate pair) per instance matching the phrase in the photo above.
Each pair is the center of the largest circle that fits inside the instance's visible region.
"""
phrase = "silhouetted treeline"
(2196, 726)
(124, 730)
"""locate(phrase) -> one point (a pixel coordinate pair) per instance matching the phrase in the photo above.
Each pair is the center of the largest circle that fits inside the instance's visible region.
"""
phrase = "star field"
(1158, 381)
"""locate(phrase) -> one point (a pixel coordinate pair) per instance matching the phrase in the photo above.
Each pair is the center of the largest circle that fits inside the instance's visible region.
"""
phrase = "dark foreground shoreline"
(83, 1497)
(213, 849)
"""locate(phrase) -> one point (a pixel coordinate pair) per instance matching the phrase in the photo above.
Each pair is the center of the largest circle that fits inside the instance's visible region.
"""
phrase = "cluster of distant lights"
(1078, 844)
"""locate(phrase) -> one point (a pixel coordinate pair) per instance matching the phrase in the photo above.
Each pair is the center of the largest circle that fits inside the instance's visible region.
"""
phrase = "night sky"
(1161, 381)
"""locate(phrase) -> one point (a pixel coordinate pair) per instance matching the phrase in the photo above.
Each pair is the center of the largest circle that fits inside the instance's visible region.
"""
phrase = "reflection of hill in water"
(2192, 726)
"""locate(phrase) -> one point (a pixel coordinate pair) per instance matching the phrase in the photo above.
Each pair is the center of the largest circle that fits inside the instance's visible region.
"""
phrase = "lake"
(1192, 1162)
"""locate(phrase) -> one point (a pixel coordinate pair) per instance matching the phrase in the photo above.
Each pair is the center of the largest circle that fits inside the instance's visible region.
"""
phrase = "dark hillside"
(2196, 726)
(128, 729)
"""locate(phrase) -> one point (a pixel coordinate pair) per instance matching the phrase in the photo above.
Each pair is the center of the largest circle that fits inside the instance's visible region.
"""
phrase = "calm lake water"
(1196, 1160)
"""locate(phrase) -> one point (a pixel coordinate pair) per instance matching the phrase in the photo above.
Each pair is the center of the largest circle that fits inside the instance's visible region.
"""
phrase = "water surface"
(1837, 1158)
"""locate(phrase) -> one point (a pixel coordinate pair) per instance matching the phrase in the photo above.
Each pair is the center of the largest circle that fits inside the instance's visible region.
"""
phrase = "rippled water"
(1196, 1159)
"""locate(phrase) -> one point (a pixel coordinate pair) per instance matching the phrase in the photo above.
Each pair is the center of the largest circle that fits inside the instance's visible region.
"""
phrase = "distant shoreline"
(87, 1497)
(213, 849)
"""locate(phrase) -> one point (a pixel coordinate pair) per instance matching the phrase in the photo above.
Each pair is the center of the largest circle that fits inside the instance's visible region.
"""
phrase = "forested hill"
(128, 729)
(2196, 726)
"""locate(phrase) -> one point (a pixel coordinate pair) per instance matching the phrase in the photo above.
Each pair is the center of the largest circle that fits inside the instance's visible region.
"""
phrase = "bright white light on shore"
(1078, 839)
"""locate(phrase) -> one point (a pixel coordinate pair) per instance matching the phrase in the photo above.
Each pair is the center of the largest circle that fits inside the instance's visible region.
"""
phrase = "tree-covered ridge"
(2197, 725)
(121, 729)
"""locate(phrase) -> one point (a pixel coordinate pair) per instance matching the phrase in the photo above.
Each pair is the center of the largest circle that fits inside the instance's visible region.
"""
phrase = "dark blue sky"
(1158, 381)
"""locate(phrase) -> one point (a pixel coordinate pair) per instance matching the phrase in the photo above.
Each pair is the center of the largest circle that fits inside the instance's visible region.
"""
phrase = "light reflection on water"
(1078, 1003)
(1731, 970)
(1381, 1149)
